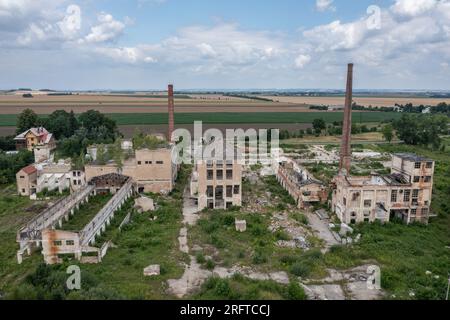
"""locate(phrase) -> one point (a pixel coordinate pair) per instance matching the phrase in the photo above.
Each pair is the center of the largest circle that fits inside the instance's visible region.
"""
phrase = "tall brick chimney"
(171, 110)
(346, 150)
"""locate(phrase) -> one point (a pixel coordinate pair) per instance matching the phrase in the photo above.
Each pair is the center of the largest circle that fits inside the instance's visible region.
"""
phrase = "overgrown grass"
(86, 212)
(241, 288)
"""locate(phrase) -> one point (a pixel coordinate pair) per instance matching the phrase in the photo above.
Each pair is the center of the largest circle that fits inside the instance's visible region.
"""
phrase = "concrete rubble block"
(345, 229)
(152, 270)
(358, 238)
(324, 292)
(241, 225)
(322, 214)
(144, 204)
(349, 240)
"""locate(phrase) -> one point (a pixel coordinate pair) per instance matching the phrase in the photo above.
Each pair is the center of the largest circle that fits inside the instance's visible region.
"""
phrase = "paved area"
(322, 230)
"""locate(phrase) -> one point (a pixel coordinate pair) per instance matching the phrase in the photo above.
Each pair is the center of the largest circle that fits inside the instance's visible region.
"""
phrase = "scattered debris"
(152, 270)
(144, 204)
(241, 225)
(345, 229)
(322, 214)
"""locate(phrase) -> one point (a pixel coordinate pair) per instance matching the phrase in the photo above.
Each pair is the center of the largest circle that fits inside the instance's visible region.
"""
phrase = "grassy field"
(86, 212)
(225, 117)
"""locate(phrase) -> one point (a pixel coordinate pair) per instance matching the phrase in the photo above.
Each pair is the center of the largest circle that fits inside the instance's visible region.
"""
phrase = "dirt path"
(193, 275)
(322, 230)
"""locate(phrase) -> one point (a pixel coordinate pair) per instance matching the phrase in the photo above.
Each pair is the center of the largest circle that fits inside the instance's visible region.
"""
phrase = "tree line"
(73, 134)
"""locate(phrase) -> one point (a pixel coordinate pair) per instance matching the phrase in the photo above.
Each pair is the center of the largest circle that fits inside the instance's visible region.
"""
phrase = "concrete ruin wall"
(40, 231)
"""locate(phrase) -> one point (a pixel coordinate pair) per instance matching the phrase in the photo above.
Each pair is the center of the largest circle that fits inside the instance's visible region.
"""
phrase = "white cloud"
(71, 24)
(108, 29)
(323, 5)
(413, 8)
(302, 60)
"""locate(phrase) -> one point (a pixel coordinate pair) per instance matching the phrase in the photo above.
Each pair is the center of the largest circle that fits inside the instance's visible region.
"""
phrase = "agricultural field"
(362, 101)
(232, 117)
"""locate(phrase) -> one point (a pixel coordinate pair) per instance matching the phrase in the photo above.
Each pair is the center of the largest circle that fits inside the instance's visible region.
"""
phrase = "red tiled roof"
(30, 169)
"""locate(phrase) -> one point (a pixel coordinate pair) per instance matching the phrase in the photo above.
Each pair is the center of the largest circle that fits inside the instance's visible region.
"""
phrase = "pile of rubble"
(345, 234)
(298, 234)
(358, 283)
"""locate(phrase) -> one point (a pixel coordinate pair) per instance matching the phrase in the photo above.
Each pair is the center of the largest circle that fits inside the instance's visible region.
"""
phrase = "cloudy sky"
(144, 44)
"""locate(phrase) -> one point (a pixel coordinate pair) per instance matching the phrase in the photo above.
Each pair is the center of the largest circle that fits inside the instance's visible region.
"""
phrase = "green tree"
(388, 133)
(421, 129)
(62, 124)
(26, 120)
(319, 125)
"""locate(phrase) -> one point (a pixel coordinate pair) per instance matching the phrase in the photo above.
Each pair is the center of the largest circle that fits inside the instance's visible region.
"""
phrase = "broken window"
(425, 211)
(416, 179)
(229, 174)
(427, 179)
(210, 204)
(219, 193)
(159, 162)
(394, 194)
(70, 243)
(210, 174)
(57, 243)
(414, 211)
(415, 193)
(219, 174)
(229, 191)
(139, 162)
(229, 163)
(219, 164)
(229, 205)
(429, 165)
(407, 196)
(367, 203)
(355, 196)
(209, 164)
(345, 201)
(237, 189)
(209, 191)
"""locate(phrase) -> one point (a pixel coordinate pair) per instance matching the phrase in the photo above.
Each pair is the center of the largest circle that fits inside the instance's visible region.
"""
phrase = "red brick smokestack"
(171, 112)
(346, 150)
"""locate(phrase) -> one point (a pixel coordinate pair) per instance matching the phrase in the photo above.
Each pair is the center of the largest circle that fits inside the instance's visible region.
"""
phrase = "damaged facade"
(405, 193)
(42, 230)
(39, 141)
(152, 170)
(49, 176)
(217, 184)
(301, 185)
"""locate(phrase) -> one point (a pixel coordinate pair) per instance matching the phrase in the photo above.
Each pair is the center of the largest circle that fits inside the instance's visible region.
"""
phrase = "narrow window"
(407, 196)
(394, 195)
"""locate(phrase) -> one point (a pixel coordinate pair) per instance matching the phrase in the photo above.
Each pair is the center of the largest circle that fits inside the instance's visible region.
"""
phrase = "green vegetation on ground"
(228, 117)
(86, 212)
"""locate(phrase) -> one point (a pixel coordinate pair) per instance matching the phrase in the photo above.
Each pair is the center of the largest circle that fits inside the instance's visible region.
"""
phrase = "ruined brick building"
(405, 193)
